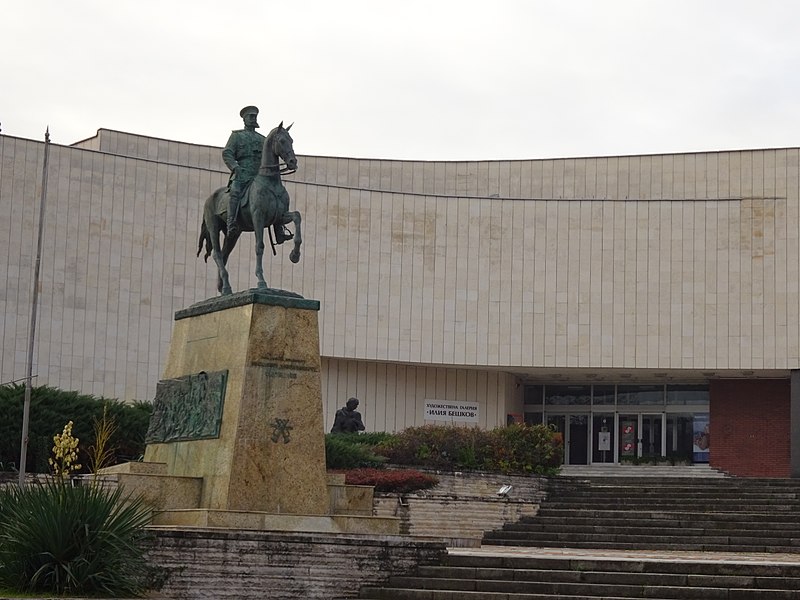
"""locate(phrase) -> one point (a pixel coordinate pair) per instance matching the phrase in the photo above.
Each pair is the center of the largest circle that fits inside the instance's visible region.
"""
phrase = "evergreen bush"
(345, 451)
(51, 408)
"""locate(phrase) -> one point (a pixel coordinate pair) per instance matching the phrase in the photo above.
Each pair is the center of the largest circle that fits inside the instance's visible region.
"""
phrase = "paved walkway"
(650, 555)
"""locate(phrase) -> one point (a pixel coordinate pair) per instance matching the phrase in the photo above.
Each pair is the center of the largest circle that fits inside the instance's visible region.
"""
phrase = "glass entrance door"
(575, 432)
(652, 429)
(579, 439)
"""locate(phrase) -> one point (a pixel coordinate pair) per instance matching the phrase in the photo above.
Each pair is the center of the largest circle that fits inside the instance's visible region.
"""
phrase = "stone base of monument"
(237, 435)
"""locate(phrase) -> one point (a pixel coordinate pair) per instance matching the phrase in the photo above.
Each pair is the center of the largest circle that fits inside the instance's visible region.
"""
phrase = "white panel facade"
(428, 273)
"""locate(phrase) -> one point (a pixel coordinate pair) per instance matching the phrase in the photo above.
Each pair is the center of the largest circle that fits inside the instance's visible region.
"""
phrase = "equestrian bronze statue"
(262, 204)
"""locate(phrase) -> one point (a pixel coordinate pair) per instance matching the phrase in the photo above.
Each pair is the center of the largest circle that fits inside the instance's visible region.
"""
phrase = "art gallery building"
(647, 306)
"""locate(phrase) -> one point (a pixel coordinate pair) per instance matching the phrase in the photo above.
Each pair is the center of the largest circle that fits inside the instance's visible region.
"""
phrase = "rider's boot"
(233, 205)
(282, 234)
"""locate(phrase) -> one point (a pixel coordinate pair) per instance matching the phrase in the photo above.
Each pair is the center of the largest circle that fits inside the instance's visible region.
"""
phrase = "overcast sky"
(434, 80)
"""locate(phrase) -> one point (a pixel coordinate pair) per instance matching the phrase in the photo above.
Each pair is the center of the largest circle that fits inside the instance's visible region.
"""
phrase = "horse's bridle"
(282, 168)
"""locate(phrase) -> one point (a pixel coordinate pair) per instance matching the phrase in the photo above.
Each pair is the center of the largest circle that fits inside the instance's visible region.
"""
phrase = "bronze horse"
(265, 203)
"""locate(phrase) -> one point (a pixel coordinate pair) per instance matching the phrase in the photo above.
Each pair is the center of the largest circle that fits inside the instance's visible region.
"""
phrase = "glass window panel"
(533, 394)
(571, 395)
(533, 418)
(688, 394)
(603, 395)
(652, 395)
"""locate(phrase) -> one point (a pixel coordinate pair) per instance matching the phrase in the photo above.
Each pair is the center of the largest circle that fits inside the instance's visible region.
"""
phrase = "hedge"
(50, 410)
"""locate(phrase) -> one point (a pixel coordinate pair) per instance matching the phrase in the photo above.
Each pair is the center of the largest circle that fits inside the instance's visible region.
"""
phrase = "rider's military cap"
(247, 110)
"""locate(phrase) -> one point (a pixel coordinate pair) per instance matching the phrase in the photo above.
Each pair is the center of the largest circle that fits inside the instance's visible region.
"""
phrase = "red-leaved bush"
(391, 480)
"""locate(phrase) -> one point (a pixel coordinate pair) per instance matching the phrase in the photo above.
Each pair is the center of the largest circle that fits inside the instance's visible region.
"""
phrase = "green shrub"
(536, 449)
(373, 438)
(51, 408)
(80, 540)
(437, 447)
(344, 451)
(391, 480)
(524, 449)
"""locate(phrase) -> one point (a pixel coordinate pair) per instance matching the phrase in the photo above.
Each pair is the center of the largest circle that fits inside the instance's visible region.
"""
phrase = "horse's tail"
(205, 237)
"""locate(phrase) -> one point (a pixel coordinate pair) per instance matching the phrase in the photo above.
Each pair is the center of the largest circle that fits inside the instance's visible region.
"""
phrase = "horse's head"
(279, 147)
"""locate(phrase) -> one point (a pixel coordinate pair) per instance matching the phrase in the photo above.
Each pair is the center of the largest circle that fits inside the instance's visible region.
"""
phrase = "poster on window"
(627, 438)
(701, 440)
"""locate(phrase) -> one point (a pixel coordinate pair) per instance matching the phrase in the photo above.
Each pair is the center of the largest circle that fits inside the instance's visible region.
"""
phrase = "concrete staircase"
(711, 514)
(467, 577)
(616, 537)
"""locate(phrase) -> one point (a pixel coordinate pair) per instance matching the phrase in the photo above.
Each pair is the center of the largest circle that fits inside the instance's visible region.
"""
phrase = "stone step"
(536, 538)
(644, 534)
(681, 492)
(728, 482)
(657, 492)
(528, 578)
(372, 593)
(786, 514)
(641, 471)
(556, 588)
(661, 527)
(678, 546)
(564, 574)
(642, 531)
(671, 518)
(672, 489)
(675, 513)
(733, 501)
(729, 564)
(721, 501)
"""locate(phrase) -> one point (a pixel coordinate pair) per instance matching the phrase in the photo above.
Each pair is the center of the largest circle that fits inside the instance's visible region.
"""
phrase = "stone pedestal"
(237, 436)
(270, 453)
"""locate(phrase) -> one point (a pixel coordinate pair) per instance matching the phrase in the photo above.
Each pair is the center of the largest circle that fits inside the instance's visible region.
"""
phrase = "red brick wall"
(749, 427)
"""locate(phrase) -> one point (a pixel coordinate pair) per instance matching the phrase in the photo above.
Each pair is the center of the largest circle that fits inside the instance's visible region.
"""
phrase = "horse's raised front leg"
(294, 215)
(259, 231)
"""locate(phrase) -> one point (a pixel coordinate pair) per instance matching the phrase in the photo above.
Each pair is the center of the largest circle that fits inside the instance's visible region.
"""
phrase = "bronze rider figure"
(242, 155)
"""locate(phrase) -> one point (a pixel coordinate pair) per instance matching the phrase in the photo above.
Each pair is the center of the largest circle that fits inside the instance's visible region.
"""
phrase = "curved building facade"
(647, 306)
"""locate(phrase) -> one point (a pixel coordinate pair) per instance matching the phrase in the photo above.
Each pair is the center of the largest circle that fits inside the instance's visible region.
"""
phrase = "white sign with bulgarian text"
(446, 410)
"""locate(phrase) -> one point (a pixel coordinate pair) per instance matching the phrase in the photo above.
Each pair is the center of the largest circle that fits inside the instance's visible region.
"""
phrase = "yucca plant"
(80, 540)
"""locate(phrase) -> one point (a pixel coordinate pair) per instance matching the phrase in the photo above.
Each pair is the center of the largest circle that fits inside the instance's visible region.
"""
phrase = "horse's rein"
(282, 168)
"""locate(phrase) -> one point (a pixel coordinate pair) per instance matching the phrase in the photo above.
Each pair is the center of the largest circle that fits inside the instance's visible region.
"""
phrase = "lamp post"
(26, 409)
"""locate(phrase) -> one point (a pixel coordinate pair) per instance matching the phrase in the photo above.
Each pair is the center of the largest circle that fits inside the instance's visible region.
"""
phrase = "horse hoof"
(262, 285)
(226, 291)
(294, 256)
